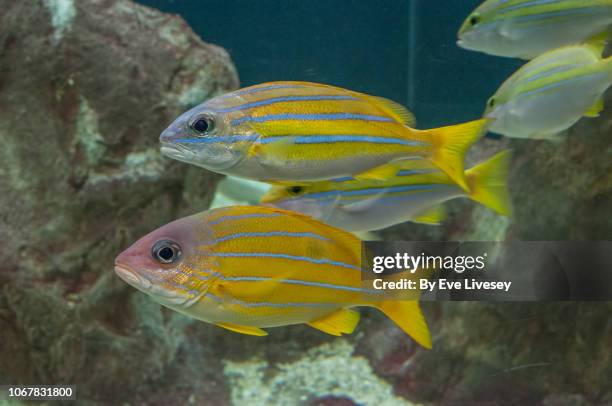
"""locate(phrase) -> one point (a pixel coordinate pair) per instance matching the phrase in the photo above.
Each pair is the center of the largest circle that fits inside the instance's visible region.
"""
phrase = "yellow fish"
(415, 193)
(245, 268)
(304, 131)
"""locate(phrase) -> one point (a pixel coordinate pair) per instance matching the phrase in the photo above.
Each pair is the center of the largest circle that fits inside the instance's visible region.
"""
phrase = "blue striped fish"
(304, 131)
(415, 193)
(528, 28)
(551, 93)
(246, 268)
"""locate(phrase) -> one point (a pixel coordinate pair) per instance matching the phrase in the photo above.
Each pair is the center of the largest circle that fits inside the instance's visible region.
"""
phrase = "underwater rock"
(85, 90)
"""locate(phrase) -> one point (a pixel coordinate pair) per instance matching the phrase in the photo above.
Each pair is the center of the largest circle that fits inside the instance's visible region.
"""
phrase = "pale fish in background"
(246, 268)
(303, 131)
(528, 28)
(415, 193)
(233, 191)
(551, 93)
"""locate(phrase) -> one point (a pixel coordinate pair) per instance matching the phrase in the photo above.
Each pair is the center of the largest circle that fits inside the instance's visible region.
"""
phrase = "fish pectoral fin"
(252, 331)
(432, 216)
(361, 205)
(595, 109)
(380, 173)
(274, 153)
(337, 323)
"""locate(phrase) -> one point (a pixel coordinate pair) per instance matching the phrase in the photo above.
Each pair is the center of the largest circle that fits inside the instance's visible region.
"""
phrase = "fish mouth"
(132, 277)
(176, 151)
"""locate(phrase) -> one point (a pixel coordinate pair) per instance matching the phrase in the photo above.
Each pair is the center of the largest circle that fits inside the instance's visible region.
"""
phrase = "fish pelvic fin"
(488, 183)
(337, 323)
(379, 173)
(596, 109)
(432, 216)
(450, 145)
(252, 331)
(600, 41)
(408, 316)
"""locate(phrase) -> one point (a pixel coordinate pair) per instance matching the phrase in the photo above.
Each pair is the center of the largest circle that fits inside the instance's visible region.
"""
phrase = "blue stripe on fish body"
(333, 138)
(528, 4)
(309, 139)
(556, 14)
(268, 304)
(550, 72)
(270, 234)
(300, 282)
(312, 117)
(344, 179)
(551, 86)
(381, 190)
(275, 100)
(216, 139)
(242, 216)
(318, 261)
(409, 172)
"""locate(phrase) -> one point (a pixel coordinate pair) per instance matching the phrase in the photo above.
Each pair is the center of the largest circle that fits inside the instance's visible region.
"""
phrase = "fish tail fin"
(488, 183)
(450, 145)
(408, 316)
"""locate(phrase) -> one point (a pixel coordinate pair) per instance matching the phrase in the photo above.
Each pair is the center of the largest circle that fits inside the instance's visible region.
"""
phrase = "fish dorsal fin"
(432, 216)
(595, 109)
(337, 323)
(395, 110)
(249, 330)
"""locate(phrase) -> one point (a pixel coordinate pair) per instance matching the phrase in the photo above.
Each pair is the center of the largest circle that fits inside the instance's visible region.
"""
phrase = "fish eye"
(295, 190)
(166, 251)
(202, 124)
(475, 19)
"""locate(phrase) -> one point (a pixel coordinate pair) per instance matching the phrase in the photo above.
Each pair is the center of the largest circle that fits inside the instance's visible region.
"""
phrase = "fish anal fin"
(249, 330)
(380, 173)
(432, 216)
(337, 323)
(408, 316)
(395, 110)
(595, 109)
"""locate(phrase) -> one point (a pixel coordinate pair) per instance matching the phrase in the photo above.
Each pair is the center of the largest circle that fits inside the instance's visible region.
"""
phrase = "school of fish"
(334, 161)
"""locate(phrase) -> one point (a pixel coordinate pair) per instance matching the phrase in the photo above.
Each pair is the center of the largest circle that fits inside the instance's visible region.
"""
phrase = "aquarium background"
(400, 49)
(86, 87)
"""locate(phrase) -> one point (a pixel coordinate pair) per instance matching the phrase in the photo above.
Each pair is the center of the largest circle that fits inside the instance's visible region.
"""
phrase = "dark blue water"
(401, 49)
